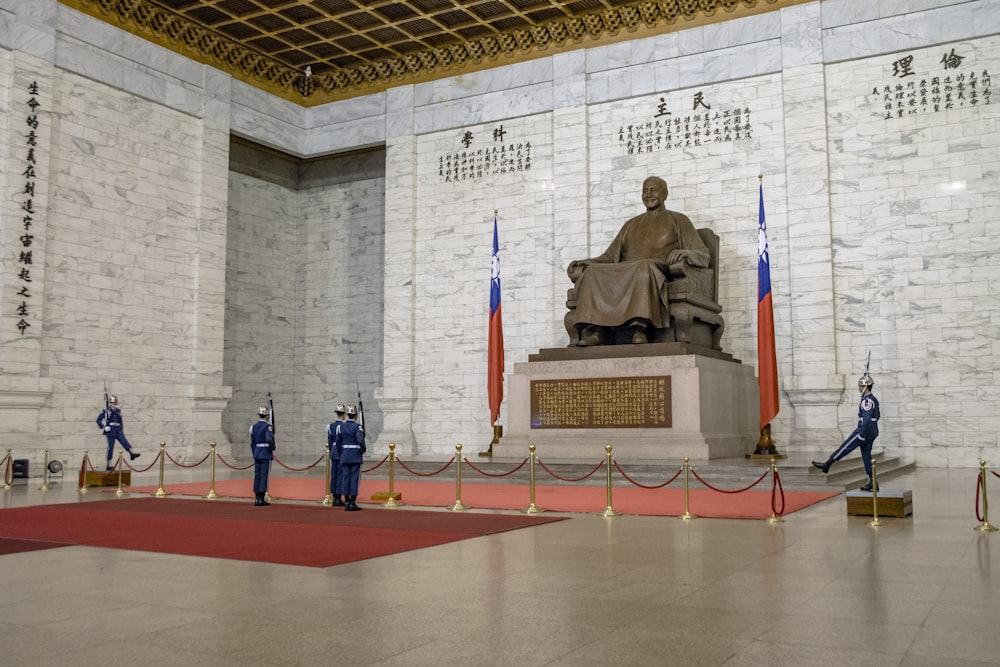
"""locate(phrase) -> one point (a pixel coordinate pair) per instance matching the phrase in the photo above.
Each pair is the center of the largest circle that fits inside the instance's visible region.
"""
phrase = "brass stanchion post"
(328, 498)
(687, 516)
(532, 508)
(774, 518)
(609, 510)
(45, 473)
(459, 505)
(212, 495)
(985, 525)
(874, 523)
(160, 493)
(121, 473)
(9, 461)
(391, 502)
(83, 470)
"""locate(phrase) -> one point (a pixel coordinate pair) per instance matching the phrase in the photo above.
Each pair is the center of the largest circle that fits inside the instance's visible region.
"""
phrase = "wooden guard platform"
(898, 504)
(101, 478)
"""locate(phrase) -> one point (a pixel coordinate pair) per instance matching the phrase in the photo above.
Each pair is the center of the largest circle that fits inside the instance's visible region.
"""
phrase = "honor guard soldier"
(331, 442)
(350, 440)
(864, 435)
(110, 421)
(262, 447)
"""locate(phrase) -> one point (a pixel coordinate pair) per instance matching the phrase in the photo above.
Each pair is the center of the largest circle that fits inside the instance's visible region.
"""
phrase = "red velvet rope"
(979, 487)
(193, 465)
(566, 479)
(8, 473)
(376, 466)
(759, 479)
(312, 465)
(776, 486)
(994, 474)
(228, 465)
(149, 467)
(489, 474)
(643, 486)
(429, 474)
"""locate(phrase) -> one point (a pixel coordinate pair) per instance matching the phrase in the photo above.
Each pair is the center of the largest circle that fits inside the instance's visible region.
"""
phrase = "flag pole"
(495, 356)
(767, 366)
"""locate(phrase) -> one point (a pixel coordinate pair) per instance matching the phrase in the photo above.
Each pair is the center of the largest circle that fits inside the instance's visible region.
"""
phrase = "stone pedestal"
(713, 406)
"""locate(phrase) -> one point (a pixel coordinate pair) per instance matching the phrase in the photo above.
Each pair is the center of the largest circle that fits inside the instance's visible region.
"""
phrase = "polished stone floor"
(819, 589)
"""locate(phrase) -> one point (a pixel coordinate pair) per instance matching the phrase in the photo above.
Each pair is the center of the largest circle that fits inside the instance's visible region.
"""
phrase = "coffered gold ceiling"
(317, 51)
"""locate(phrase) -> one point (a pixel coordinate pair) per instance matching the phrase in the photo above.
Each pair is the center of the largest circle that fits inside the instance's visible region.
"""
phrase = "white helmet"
(866, 381)
(262, 411)
(340, 409)
(352, 410)
(113, 400)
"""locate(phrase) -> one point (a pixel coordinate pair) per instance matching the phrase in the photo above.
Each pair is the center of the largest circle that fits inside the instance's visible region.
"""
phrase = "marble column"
(570, 177)
(209, 397)
(813, 387)
(397, 395)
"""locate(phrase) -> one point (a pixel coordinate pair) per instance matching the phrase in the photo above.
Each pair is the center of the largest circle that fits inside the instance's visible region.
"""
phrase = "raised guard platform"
(100, 478)
(898, 504)
(713, 407)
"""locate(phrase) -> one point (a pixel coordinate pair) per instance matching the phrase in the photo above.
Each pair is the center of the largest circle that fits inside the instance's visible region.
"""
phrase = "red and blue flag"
(767, 363)
(494, 380)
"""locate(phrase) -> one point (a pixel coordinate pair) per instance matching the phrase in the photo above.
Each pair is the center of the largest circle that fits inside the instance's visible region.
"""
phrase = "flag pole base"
(497, 434)
(765, 446)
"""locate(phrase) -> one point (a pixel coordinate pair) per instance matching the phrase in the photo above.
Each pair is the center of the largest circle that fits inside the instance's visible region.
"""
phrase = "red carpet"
(627, 500)
(289, 534)
(11, 546)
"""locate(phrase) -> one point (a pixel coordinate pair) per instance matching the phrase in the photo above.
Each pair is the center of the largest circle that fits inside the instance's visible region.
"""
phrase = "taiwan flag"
(767, 364)
(494, 381)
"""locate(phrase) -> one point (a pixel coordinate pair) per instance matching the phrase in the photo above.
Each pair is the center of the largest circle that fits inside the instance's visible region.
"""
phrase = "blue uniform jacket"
(331, 438)
(111, 416)
(262, 440)
(351, 442)
(868, 416)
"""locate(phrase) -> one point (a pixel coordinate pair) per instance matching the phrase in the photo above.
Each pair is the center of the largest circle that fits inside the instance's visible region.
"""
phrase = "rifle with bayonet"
(361, 407)
(270, 410)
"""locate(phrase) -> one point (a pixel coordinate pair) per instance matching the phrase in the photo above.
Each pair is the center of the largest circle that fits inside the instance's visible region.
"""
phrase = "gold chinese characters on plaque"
(633, 402)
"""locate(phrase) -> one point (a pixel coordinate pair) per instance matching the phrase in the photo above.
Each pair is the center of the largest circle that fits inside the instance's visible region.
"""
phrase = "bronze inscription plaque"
(635, 402)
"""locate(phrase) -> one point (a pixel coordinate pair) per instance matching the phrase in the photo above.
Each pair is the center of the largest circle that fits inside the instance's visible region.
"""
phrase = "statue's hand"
(575, 269)
(677, 255)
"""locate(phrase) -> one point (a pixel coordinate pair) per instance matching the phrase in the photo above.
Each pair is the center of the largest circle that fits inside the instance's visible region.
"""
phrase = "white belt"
(351, 447)
(262, 444)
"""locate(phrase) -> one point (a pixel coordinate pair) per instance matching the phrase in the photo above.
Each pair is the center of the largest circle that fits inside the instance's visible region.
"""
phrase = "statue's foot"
(589, 337)
(639, 337)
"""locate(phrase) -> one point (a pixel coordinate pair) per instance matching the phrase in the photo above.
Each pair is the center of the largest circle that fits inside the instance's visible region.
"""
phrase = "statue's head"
(654, 192)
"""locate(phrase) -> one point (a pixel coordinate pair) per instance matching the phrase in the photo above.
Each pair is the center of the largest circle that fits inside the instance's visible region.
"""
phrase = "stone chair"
(692, 295)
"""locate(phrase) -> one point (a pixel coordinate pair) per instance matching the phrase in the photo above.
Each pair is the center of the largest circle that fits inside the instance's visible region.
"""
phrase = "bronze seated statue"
(656, 282)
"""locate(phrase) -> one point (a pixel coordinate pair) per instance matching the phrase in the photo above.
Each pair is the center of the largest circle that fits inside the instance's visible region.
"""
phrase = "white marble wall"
(339, 294)
(882, 232)
(914, 210)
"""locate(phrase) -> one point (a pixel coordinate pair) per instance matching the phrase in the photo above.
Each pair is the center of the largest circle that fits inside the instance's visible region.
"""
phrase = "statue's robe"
(626, 282)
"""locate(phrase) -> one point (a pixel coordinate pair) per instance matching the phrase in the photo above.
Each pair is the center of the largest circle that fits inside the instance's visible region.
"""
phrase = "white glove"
(107, 429)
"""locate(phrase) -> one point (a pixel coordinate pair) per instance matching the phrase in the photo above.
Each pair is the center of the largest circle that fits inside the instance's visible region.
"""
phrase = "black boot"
(133, 455)
(263, 499)
(256, 499)
(337, 502)
(824, 466)
(868, 486)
